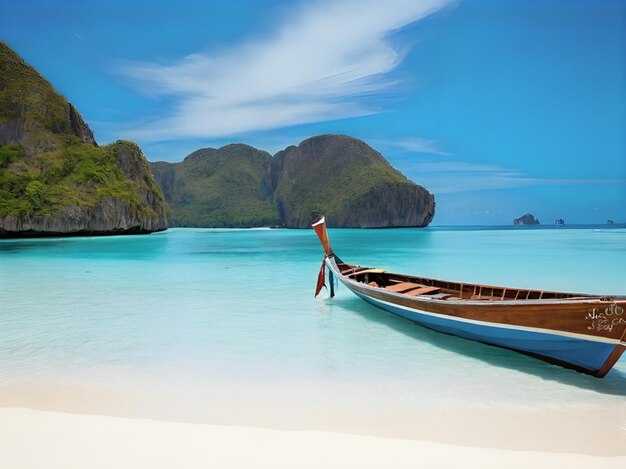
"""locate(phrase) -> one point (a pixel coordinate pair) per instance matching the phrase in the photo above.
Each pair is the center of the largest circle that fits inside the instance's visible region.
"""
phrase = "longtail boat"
(580, 331)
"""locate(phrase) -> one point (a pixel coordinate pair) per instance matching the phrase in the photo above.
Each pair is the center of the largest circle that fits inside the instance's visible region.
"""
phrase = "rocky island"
(341, 176)
(526, 219)
(54, 178)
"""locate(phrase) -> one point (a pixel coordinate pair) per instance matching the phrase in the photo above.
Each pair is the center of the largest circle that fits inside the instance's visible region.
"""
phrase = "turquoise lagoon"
(220, 326)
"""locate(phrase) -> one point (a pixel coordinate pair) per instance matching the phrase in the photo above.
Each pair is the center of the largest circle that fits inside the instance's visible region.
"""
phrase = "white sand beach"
(42, 439)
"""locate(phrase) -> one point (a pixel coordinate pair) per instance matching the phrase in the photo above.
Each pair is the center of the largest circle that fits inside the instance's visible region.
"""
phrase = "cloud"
(328, 61)
(447, 177)
(414, 145)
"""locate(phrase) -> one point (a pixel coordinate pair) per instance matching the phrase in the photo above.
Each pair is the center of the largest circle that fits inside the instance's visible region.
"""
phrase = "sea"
(221, 326)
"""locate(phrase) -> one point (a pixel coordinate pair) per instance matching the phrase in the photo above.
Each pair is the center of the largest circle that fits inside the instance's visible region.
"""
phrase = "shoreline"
(30, 236)
(34, 439)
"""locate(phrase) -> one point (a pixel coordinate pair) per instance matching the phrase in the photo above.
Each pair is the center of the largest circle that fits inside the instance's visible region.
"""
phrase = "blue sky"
(498, 107)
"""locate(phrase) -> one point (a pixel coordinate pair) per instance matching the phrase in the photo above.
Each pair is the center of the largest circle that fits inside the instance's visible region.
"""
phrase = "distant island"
(343, 177)
(526, 219)
(54, 178)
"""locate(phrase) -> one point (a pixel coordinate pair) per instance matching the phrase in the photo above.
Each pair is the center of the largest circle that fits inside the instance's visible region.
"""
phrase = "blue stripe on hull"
(583, 353)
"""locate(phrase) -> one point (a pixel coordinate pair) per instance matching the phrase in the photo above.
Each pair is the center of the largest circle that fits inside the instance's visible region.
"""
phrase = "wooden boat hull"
(579, 331)
(587, 354)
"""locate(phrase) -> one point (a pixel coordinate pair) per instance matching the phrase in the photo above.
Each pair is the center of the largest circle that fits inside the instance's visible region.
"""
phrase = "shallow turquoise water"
(221, 325)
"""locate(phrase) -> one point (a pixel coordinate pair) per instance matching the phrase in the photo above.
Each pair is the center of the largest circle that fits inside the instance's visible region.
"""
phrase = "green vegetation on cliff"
(218, 188)
(49, 161)
(79, 175)
(338, 175)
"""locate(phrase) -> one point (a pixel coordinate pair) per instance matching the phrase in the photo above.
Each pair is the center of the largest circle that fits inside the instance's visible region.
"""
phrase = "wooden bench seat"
(422, 291)
(403, 287)
(411, 289)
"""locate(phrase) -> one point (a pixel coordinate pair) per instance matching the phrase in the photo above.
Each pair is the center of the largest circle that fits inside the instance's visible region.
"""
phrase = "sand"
(593, 428)
(43, 439)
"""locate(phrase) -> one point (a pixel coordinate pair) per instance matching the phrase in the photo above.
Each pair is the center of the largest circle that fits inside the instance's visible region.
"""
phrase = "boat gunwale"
(578, 298)
(417, 310)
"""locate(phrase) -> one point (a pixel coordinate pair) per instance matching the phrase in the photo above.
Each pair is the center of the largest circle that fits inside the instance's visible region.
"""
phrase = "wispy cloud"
(446, 177)
(414, 145)
(326, 62)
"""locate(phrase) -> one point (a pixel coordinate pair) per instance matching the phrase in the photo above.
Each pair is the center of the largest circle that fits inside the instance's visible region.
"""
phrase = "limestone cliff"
(54, 179)
(348, 181)
(340, 176)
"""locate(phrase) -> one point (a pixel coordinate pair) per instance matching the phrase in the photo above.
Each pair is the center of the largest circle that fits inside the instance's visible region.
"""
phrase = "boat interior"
(445, 290)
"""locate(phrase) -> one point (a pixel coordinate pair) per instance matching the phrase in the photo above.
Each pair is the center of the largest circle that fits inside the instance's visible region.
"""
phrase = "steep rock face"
(348, 181)
(109, 216)
(388, 205)
(164, 174)
(54, 179)
(218, 188)
(79, 126)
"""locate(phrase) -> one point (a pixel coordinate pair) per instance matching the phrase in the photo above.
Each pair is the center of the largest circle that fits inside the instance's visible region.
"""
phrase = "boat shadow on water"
(613, 384)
